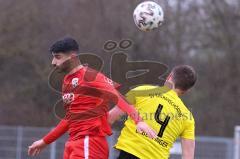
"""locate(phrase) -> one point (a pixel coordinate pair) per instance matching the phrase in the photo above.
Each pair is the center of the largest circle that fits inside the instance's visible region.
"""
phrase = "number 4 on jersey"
(158, 120)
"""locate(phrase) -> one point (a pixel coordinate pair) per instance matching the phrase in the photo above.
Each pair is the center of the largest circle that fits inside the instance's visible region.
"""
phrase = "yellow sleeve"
(137, 91)
(189, 129)
(130, 97)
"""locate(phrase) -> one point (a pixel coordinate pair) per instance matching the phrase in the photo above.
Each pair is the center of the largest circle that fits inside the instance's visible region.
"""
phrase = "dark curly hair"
(184, 77)
(64, 45)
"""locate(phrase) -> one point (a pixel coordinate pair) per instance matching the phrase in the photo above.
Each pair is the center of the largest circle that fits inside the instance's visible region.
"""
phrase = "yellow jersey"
(164, 111)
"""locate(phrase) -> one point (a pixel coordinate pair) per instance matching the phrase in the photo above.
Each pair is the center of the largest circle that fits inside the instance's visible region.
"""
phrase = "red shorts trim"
(88, 147)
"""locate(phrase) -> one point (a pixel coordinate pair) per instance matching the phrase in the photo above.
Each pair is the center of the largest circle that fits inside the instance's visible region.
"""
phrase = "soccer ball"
(148, 15)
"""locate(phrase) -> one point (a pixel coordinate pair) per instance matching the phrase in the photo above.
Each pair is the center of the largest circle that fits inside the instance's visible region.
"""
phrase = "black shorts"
(126, 155)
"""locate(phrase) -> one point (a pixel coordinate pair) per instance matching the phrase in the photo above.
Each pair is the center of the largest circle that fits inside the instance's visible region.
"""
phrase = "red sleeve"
(101, 82)
(129, 109)
(58, 131)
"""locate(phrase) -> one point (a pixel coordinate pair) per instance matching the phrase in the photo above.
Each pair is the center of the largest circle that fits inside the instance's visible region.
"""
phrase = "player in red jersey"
(86, 94)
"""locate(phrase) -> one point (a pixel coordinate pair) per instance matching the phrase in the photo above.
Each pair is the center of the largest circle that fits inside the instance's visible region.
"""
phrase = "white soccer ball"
(148, 15)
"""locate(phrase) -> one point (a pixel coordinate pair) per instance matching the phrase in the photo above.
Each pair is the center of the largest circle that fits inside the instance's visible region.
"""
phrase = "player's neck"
(75, 68)
(171, 86)
(178, 91)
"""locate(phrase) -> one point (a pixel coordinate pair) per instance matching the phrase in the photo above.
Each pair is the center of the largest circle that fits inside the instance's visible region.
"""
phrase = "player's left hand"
(143, 127)
(36, 148)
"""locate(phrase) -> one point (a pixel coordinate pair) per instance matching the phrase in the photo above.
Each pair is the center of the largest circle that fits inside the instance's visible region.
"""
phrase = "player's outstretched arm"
(116, 113)
(188, 148)
(132, 112)
(53, 135)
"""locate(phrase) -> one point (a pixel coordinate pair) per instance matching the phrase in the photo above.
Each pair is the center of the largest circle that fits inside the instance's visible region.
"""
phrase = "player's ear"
(183, 92)
(186, 91)
(73, 55)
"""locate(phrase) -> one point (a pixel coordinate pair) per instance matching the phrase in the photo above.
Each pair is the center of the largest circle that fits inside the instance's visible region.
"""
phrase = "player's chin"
(59, 69)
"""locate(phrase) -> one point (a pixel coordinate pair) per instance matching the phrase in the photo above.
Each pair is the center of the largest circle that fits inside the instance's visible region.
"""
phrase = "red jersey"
(86, 96)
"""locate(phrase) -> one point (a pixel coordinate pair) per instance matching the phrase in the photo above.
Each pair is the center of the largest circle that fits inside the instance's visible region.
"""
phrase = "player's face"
(61, 60)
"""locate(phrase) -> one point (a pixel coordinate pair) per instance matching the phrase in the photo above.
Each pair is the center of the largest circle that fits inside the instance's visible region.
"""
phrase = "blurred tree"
(204, 34)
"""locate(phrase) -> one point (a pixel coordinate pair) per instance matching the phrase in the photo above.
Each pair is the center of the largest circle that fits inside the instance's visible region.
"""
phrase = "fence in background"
(237, 142)
(14, 142)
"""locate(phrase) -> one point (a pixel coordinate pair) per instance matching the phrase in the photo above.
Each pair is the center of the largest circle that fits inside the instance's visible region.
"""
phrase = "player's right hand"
(36, 147)
(143, 127)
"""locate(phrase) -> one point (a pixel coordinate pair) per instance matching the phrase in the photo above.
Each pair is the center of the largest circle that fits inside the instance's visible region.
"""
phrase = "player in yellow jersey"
(165, 112)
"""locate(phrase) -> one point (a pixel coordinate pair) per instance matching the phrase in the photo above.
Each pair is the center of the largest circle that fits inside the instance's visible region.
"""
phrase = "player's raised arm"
(132, 112)
(53, 135)
(188, 147)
